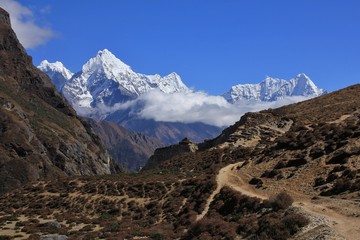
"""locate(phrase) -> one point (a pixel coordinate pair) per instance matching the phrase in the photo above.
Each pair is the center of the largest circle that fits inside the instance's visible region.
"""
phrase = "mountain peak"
(302, 75)
(57, 66)
(108, 63)
(304, 86)
(105, 51)
(58, 73)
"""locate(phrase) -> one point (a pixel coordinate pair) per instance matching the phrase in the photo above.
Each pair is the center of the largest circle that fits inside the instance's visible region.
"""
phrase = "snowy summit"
(272, 89)
(107, 80)
(58, 73)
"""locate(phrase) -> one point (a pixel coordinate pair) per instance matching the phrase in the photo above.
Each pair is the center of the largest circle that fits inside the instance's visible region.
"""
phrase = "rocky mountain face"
(272, 89)
(131, 150)
(40, 135)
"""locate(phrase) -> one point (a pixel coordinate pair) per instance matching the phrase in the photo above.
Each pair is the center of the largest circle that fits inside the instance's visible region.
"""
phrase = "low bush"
(341, 185)
(214, 228)
(280, 201)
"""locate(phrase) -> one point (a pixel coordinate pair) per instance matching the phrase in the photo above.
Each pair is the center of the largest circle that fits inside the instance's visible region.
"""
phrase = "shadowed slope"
(40, 134)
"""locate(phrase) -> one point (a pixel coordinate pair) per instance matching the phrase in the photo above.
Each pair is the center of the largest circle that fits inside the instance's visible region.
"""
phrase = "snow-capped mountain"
(105, 79)
(108, 89)
(58, 73)
(272, 89)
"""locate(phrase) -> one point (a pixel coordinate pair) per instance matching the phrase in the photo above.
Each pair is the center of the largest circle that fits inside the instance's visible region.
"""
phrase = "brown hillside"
(40, 135)
(219, 189)
(309, 149)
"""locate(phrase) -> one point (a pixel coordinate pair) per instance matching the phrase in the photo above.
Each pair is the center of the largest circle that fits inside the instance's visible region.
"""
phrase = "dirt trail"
(224, 178)
(220, 184)
(348, 227)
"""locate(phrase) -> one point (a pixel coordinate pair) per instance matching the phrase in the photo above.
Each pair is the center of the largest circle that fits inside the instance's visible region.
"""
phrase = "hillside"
(309, 149)
(220, 189)
(40, 135)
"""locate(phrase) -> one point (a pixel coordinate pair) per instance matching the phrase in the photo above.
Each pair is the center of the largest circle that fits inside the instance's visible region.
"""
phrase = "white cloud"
(188, 108)
(191, 107)
(22, 19)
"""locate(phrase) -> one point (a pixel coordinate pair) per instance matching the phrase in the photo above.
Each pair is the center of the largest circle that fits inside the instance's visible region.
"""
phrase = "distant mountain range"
(105, 79)
(272, 89)
(130, 149)
(105, 83)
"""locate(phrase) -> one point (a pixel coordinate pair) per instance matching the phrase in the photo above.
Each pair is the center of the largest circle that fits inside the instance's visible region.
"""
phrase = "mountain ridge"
(272, 89)
(108, 89)
(130, 149)
(105, 79)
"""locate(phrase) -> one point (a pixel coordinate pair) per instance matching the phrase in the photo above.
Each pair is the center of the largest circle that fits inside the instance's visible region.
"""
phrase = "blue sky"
(211, 44)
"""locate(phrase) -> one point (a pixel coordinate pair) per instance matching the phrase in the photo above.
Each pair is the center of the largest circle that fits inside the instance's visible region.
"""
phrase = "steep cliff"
(40, 135)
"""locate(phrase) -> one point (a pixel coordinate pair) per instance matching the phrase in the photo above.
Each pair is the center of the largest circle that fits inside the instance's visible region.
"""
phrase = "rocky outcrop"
(40, 135)
(163, 154)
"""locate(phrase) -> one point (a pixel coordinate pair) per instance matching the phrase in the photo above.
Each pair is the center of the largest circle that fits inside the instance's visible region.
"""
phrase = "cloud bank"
(190, 107)
(200, 107)
(22, 19)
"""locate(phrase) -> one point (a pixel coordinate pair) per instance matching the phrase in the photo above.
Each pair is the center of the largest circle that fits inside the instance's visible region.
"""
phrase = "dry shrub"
(294, 221)
(280, 201)
(319, 181)
(277, 226)
(233, 205)
(341, 185)
(214, 228)
(248, 225)
(270, 174)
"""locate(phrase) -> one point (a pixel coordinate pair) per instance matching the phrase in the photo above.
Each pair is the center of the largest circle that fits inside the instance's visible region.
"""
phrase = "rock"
(54, 237)
(52, 224)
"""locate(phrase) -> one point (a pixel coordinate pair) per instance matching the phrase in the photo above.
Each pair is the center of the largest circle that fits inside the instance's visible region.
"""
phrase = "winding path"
(349, 227)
